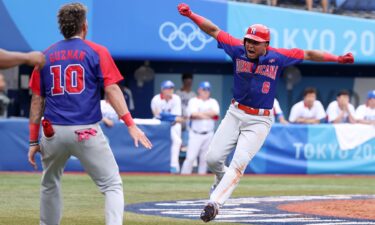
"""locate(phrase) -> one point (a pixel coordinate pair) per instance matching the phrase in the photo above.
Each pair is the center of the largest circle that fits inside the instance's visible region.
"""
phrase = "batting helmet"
(258, 32)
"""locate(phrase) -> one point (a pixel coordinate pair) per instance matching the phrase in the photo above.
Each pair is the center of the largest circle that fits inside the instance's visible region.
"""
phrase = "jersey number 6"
(74, 79)
(266, 87)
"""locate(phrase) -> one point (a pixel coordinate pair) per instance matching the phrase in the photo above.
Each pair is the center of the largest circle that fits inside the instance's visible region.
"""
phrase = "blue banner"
(14, 137)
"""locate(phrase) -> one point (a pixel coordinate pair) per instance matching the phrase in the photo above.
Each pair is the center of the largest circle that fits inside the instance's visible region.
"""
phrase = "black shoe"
(209, 212)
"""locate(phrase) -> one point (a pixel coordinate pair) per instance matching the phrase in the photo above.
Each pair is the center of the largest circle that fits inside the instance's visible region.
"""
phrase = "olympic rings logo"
(186, 35)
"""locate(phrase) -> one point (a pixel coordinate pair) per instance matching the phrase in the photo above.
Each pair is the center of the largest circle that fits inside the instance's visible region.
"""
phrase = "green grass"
(83, 205)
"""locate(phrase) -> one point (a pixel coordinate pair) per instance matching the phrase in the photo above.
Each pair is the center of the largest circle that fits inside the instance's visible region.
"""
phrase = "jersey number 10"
(74, 79)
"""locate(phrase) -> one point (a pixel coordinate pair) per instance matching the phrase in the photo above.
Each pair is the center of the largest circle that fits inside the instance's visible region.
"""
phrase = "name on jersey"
(67, 55)
(243, 66)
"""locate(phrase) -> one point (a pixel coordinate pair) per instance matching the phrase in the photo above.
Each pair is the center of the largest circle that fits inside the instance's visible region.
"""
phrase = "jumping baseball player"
(203, 111)
(166, 106)
(366, 113)
(68, 89)
(308, 111)
(10, 59)
(257, 68)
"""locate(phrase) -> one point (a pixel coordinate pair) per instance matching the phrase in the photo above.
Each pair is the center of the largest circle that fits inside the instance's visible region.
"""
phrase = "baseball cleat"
(209, 212)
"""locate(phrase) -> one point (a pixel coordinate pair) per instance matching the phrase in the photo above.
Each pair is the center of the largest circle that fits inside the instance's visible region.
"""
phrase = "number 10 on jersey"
(73, 76)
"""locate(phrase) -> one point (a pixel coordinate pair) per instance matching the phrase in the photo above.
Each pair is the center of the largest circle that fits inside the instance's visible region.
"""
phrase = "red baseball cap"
(258, 32)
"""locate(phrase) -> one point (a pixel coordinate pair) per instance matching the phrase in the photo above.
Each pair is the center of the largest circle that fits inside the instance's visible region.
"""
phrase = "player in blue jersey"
(66, 91)
(257, 68)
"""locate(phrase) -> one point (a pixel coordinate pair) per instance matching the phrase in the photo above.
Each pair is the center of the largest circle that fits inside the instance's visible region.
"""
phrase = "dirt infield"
(355, 208)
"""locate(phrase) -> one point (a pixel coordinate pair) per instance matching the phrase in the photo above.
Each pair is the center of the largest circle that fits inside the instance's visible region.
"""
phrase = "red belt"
(250, 110)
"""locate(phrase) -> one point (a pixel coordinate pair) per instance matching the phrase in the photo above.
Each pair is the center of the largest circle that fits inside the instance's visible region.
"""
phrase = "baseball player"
(308, 111)
(340, 110)
(166, 106)
(10, 59)
(278, 113)
(257, 68)
(67, 91)
(366, 113)
(203, 111)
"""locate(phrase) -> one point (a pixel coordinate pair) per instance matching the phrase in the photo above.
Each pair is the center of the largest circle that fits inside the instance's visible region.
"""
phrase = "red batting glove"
(184, 9)
(346, 59)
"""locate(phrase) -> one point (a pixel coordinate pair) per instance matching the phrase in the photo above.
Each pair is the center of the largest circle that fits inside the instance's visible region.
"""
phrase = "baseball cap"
(205, 85)
(371, 94)
(167, 84)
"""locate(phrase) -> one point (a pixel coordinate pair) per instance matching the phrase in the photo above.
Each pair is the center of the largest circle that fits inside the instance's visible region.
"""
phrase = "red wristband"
(127, 118)
(34, 131)
(327, 57)
(197, 18)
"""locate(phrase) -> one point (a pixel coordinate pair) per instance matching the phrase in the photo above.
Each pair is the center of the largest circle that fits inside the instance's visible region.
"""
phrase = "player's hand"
(36, 59)
(139, 136)
(31, 155)
(184, 9)
(346, 59)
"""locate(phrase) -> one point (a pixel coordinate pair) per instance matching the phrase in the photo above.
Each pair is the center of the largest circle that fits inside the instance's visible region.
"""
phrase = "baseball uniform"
(300, 110)
(333, 111)
(171, 107)
(200, 134)
(70, 82)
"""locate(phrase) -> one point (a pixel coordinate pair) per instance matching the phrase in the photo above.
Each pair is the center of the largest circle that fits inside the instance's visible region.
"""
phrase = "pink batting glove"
(184, 9)
(346, 59)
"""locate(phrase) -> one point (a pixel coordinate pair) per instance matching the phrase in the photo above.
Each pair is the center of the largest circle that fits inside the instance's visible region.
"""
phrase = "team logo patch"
(254, 210)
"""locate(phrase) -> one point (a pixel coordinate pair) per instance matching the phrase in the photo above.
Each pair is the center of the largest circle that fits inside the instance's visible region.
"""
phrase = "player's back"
(71, 81)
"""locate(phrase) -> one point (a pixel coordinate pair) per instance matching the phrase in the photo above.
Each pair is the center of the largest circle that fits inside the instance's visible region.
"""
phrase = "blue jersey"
(71, 80)
(255, 81)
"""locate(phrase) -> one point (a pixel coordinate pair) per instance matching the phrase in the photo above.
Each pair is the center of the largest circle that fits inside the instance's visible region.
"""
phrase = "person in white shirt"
(365, 113)
(309, 110)
(278, 112)
(341, 111)
(109, 115)
(203, 111)
(166, 106)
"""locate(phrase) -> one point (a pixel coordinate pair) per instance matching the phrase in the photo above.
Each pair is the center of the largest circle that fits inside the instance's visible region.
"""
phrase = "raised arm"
(204, 24)
(117, 101)
(321, 56)
(10, 59)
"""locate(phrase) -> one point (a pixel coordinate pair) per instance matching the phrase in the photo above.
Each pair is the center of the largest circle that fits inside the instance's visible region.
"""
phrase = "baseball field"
(83, 205)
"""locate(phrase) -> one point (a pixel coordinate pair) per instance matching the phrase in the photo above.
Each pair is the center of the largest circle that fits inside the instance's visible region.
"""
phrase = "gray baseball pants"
(98, 161)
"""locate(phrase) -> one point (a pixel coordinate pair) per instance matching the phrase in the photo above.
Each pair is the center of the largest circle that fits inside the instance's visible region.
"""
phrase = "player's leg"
(97, 158)
(223, 142)
(54, 157)
(192, 152)
(202, 166)
(175, 148)
(251, 138)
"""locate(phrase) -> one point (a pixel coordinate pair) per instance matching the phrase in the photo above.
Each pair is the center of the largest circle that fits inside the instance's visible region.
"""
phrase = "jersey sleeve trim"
(226, 38)
(110, 72)
(34, 83)
(290, 53)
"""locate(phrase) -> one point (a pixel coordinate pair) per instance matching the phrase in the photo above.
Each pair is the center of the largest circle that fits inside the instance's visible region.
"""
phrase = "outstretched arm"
(10, 59)
(117, 101)
(204, 24)
(321, 56)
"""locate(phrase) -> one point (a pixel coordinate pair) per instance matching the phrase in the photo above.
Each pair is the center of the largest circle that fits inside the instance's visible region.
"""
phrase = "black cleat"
(209, 212)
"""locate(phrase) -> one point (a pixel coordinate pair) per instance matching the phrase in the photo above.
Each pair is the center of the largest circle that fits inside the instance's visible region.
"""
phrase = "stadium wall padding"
(289, 149)
(154, 30)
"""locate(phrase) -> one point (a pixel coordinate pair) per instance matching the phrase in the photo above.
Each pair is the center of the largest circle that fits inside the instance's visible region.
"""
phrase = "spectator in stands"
(203, 111)
(309, 110)
(269, 2)
(278, 113)
(309, 5)
(10, 59)
(340, 110)
(166, 106)
(366, 113)
(4, 100)
(108, 112)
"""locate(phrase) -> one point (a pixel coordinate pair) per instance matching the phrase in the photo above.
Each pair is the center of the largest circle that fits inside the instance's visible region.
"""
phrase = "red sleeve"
(34, 83)
(109, 70)
(225, 38)
(291, 56)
